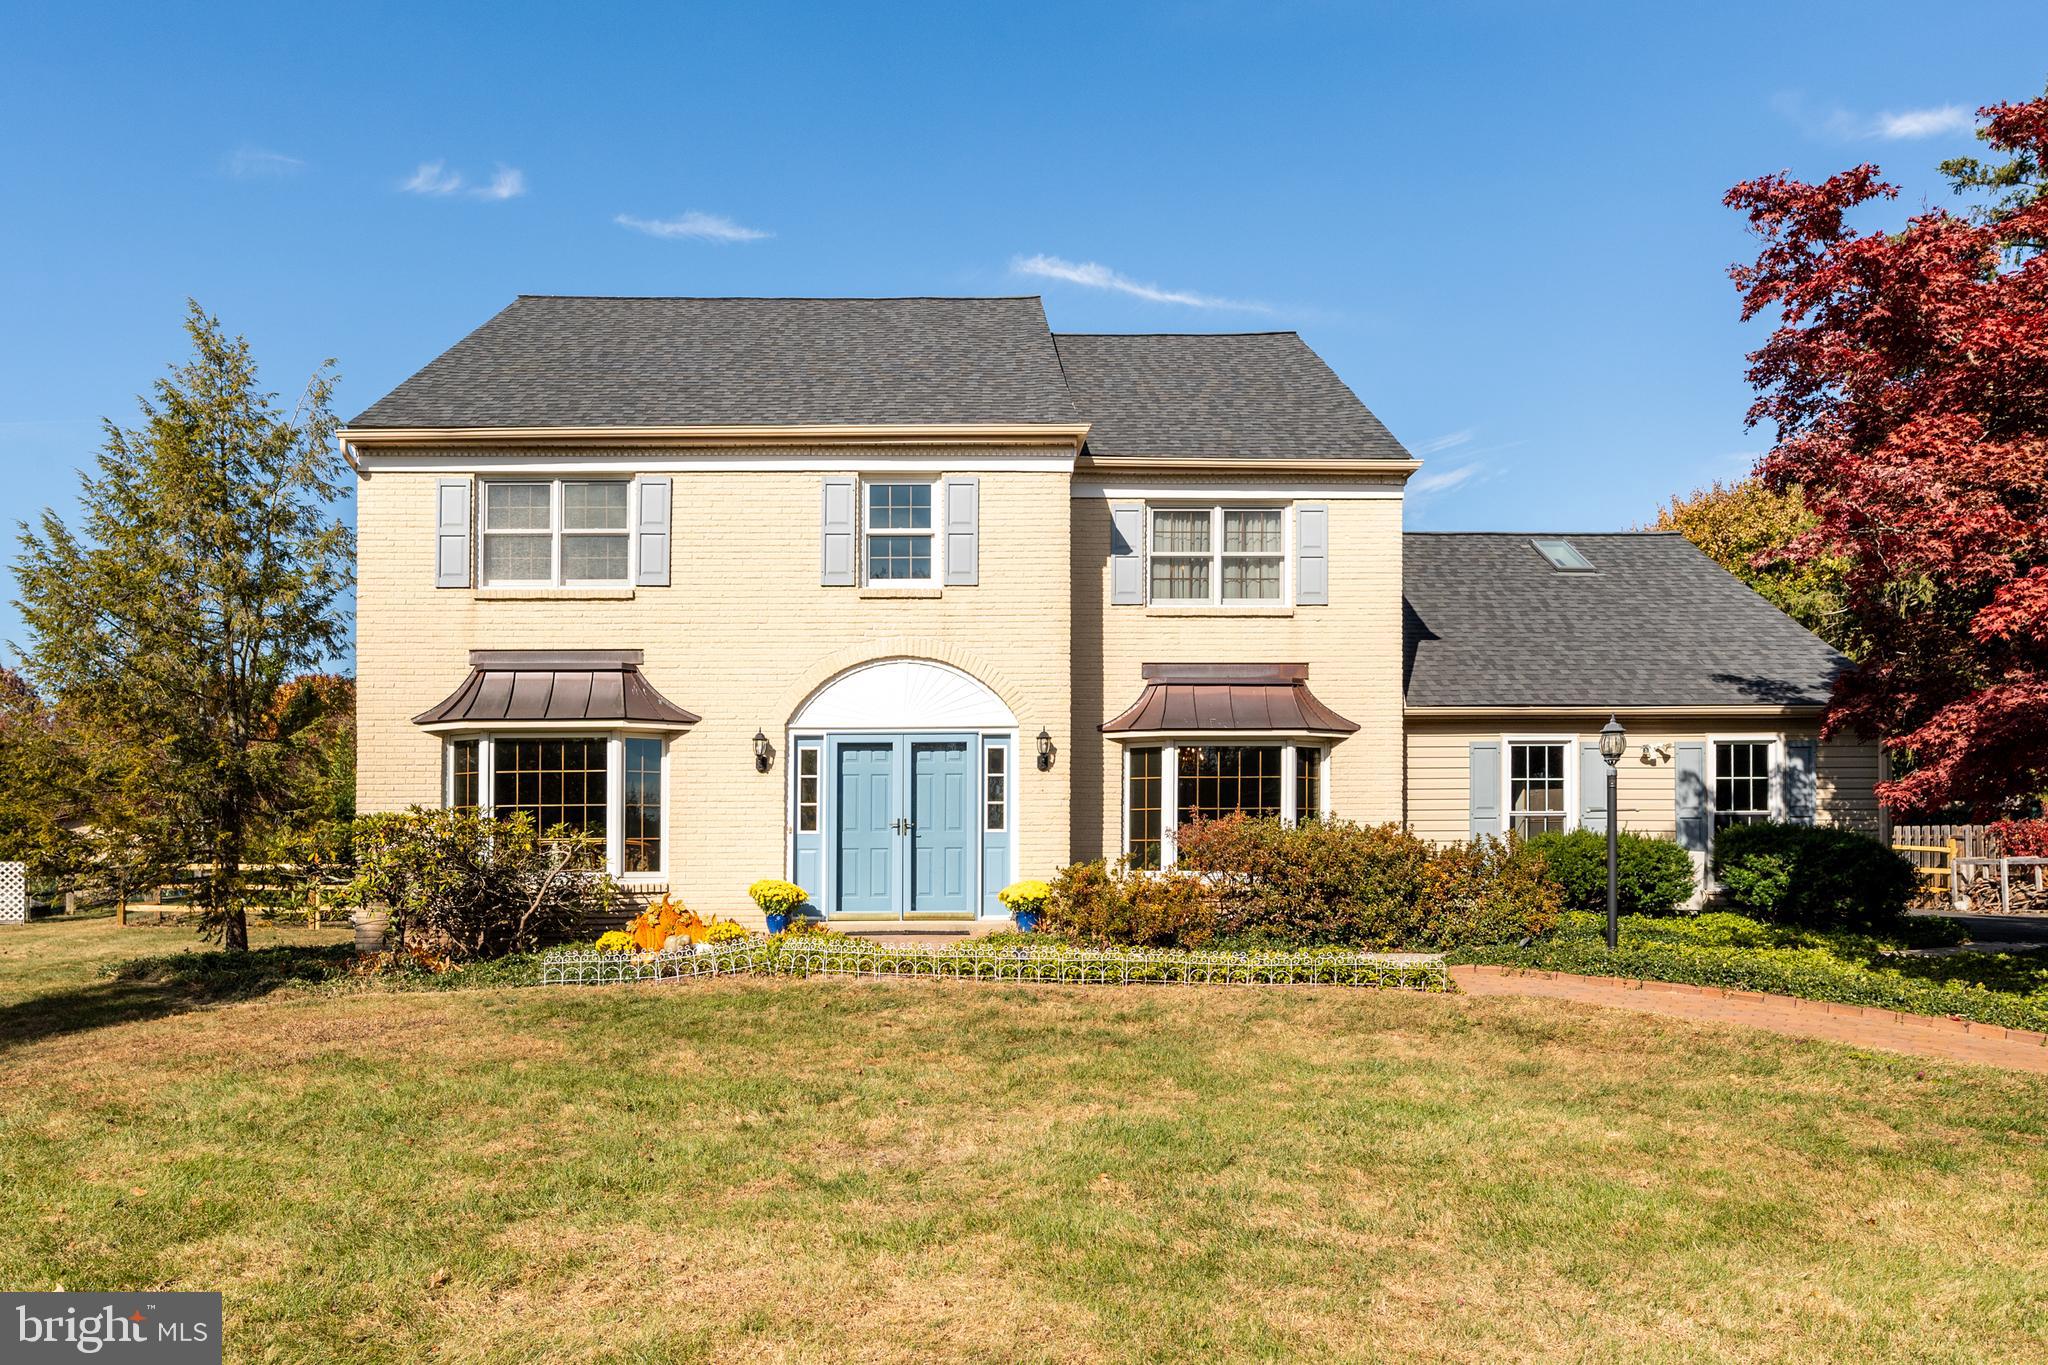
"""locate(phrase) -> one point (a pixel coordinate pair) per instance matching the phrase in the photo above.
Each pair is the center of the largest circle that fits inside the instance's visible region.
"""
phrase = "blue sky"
(1500, 224)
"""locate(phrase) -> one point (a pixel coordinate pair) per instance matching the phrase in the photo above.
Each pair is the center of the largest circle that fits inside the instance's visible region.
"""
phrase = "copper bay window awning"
(1222, 698)
(579, 687)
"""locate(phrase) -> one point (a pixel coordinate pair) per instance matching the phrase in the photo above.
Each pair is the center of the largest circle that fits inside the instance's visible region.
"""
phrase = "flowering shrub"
(724, 931)
(778, 897)
(1023, 898)
(615, 941)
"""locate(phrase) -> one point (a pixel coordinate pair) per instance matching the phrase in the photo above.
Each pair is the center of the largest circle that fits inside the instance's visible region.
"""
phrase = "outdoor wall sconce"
(1045, 751)
(763, 754)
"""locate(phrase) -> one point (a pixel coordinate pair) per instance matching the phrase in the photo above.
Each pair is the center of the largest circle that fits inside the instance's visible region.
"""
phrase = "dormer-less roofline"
(1071, 435)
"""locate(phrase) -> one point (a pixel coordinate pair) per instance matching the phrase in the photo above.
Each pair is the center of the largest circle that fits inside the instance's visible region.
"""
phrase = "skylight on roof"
(1562, 554)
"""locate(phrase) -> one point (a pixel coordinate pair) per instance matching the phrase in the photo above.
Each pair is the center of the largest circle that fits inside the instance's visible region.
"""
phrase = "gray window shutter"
(1592, 789)
(838, 536)
(451, 533)
(1127, 555)
(963, 532)
(1689, 774)
(1802, 803)
(1312, 555)
(651, 568)
(1485, 788)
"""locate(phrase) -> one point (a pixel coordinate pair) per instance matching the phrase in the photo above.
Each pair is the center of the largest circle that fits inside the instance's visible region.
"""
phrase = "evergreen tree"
(208, 571)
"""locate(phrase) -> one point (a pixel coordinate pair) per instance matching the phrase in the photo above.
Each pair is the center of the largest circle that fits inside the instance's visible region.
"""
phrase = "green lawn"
(821, 1170)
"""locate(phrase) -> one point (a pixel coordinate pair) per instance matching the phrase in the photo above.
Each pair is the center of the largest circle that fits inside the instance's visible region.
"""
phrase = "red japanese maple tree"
(1907, 378)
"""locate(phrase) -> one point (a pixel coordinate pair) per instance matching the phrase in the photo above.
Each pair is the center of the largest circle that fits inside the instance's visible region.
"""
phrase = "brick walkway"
(1951, 1040)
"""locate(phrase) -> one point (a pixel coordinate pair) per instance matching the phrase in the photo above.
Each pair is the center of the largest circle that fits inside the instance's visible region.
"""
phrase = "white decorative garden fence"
(13, 893)
(849, 957)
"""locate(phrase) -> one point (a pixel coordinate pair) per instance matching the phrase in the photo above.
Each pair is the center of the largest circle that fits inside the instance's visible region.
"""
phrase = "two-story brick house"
(907, 598)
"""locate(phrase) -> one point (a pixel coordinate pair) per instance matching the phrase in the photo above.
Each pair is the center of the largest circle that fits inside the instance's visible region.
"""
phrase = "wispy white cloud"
(694, 224)
(1839, 124)
(1438, 445)
(435, 179)
(254, 163)
(507, 182)
(1092, 275)
(1949, 118)
(1444, 480)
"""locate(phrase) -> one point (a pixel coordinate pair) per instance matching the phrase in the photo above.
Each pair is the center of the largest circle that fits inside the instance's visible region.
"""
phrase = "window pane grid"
(641, 808)
(1143, 804)
(899, 532)
(1220, 780)
(462, 773)
(1308, 784)
(1536, 788)
(995, 794)
(807, 790)
(555, 781)
(523, 544)
(1742, 782)
(1218, 554)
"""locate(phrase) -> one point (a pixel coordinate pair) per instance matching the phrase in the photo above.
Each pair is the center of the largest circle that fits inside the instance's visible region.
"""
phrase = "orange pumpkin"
(653, 927)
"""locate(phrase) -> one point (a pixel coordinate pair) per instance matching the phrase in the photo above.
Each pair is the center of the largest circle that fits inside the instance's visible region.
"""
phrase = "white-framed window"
(556, 533)
(807, 794)
(901, 547)
(609, 785)
(1219, 556)
(1539, 782)
(1169, 785)
(1744, 779)
(995, 788)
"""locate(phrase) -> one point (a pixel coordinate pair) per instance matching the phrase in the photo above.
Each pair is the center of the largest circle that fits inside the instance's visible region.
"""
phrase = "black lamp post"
(1613, 744)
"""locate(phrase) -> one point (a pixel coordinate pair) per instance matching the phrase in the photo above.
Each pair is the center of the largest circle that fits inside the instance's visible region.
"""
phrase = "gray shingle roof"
(1490, 623)
(1255, 395)
(554, 361)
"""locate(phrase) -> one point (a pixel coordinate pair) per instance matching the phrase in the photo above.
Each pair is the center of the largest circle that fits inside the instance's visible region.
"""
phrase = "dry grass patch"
(832, 1170)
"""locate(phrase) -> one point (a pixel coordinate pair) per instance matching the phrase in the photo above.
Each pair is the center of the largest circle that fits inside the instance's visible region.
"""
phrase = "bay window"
(1271, 781)
(608, 787)
(556, 533)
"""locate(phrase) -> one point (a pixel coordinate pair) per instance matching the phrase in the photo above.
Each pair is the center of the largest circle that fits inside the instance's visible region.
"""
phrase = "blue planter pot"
(1027, 921)
(777, 923)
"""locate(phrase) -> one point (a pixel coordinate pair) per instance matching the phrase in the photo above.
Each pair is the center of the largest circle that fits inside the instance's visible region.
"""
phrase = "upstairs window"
(556, 533)
(900, 543)
(1231, 556)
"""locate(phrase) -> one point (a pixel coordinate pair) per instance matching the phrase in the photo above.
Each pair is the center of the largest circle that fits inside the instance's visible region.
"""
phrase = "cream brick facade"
(1352, 646)
(744, 634)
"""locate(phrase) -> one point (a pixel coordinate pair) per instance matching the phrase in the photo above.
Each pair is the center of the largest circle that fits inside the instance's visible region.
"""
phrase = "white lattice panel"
(13, 893)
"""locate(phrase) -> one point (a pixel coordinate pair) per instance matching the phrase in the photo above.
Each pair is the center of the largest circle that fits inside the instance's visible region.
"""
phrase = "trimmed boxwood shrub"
(1812, 875)
(1652, 876)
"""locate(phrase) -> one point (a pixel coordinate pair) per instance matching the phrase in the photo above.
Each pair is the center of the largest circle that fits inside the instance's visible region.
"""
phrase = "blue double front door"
(904, 824)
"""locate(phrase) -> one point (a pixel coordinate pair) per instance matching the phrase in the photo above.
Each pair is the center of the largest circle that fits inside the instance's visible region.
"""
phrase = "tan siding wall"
(1352, 648)
(1439, 787)
(743, 636)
